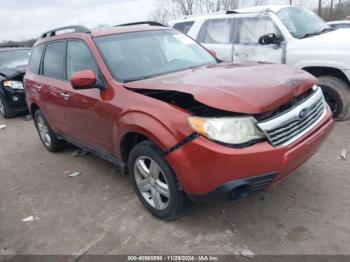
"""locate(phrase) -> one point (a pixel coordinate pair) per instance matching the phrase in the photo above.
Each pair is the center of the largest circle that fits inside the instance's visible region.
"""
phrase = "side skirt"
(97, 152)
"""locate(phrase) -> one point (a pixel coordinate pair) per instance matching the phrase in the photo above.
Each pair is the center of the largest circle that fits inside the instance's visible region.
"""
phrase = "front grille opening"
(284, 108)
(289, 126)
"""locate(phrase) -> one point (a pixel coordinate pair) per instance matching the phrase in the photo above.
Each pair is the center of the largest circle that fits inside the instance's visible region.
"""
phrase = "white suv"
(280, 34)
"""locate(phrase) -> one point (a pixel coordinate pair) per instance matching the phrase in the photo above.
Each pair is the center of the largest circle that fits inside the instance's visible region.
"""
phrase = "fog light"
(15, 98)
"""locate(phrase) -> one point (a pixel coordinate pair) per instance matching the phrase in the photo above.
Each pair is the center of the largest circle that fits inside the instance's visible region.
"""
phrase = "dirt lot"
(98, 213)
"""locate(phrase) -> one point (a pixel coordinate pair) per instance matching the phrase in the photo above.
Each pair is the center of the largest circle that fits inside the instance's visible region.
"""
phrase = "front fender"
(164, 134)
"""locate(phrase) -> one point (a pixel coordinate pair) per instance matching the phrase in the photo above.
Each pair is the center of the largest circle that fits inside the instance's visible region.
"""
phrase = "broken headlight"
(13, 84)
(228, 130)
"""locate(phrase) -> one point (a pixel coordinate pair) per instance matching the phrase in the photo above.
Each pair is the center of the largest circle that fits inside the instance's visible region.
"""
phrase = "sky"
(25, 19)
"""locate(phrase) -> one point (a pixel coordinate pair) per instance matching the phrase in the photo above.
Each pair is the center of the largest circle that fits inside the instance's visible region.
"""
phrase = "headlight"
(13, 84)
(228, 130)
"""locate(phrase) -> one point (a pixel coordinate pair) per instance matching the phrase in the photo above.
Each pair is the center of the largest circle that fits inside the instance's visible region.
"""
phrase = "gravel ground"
(98, 213)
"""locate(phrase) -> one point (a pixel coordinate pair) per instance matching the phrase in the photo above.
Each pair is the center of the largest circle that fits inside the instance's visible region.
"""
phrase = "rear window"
(54, 65)
(216, 31)
(34, 64)
(184, 27)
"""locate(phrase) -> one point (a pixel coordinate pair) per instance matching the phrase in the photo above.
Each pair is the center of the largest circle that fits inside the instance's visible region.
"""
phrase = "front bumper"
(16, 99)
(208, 170)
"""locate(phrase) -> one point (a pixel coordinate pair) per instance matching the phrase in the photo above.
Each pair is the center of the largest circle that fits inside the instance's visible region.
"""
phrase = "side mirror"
(212, 52)
(85, 79)
(270, 39)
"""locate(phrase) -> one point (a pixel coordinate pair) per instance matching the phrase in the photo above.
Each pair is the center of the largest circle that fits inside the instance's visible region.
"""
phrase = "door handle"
(38, 87)
(65, 96)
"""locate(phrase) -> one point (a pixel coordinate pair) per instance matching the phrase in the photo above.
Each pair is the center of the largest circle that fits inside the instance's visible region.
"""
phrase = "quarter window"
(216, 31)
(34, 64)
(54, 60)
(184, 27)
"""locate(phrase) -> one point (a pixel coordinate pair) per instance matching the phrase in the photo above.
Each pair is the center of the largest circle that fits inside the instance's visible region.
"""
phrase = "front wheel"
(5, 110)
(154, 182)
(337, 95)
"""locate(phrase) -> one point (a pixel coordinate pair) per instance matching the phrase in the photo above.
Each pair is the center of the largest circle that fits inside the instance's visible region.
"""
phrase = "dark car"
(13, 63)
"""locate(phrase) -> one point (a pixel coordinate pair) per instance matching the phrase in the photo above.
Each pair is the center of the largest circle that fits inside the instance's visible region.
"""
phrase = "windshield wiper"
(316, 33)
(137, 78)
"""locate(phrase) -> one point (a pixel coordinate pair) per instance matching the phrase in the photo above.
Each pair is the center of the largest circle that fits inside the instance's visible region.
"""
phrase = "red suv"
(181, 123)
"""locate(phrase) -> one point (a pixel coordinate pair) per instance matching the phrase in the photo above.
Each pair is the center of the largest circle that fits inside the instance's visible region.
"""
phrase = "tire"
(163, 204)
(47, 136)
(5, 110)
(337, 94)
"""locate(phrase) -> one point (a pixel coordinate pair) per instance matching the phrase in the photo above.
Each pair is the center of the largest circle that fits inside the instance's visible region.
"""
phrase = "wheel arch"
(318, 71)
(136, 126)
(33, 108)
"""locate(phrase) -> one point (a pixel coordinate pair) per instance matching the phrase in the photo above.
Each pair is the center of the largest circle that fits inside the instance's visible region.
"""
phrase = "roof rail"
(228, 12)
(151, 23)
(76, 28)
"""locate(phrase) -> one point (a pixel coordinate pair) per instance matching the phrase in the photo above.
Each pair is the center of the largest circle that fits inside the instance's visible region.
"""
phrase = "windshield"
(140, 55)
(14, 58)
(301, 22)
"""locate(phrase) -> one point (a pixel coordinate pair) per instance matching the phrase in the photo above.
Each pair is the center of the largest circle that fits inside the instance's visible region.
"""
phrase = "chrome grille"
(288, 127)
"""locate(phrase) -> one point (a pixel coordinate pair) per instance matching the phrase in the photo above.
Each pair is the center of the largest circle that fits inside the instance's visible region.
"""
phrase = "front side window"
(35, 59)
(216, 31)
(79, 58)
(250, 29)
(301, 22)
(53, 65)
(184, 27)
(140, 55)
(14, 58)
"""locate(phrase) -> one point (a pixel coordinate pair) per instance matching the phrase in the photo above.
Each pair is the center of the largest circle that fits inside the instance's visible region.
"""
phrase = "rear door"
(54, 85)
(247, 31)
(216, 34)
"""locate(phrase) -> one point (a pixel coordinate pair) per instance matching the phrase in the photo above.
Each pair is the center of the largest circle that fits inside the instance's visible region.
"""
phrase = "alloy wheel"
(44, 131)
(151, 182)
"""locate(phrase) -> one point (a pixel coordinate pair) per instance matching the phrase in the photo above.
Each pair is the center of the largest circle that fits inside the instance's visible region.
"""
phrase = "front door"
(86, 116)
(247, 31)
(216, 34)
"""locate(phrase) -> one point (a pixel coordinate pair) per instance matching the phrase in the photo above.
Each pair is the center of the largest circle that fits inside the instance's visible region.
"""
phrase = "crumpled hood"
(9, 73)
(241, 88)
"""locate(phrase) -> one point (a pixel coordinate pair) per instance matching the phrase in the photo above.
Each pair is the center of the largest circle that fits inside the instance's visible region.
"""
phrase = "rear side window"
(184, 27)
(79, 58)
(54, 65)
(34, 64)
(216, 31)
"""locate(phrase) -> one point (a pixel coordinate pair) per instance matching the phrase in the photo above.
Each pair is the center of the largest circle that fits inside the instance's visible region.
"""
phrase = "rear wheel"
(47, 136)
(5, 110)
(337, 95)
(154, 182)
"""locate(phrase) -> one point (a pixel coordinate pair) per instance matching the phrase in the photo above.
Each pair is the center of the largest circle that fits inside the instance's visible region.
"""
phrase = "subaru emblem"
(303, 114)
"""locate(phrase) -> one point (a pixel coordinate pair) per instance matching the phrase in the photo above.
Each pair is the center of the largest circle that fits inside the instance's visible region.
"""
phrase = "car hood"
(9, 73)
(240, 88)
(336, 39)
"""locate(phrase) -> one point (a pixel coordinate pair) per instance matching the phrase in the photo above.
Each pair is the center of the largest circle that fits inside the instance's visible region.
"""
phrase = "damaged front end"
(12, 92)
(223, 127)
